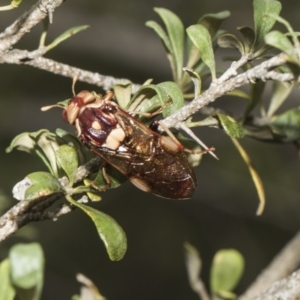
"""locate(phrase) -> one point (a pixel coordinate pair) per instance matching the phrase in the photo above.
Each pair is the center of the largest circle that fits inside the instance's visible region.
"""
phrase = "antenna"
(75, 78)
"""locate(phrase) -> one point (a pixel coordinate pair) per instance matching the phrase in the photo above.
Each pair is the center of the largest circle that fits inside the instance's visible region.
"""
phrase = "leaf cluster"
(191, 53)
(22, 275)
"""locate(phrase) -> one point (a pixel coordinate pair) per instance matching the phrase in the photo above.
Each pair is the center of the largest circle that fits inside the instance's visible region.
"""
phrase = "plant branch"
(26, 22)
(287, 261)
(35, 59)
(285, 289)
(20, 214)
(106, 82)
(216, 90)
(32, 211)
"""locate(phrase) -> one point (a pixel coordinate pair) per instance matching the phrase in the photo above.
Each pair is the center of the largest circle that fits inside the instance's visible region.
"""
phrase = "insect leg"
(179, 145)
(155, 113)
(98, 181)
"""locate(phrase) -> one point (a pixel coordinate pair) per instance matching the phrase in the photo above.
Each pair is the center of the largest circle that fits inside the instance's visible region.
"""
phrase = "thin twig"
(36, 60)
(216, 90)
(106, 82)
(25, 23)
(235, 65)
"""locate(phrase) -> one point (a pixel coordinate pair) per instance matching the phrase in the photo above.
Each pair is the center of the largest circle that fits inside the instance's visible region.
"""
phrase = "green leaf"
(27, 270)
(196, 80)
(122, 93)
(149, 97)
(67, 34)
(88, 289)
(175, 31)
(287, 125)
(248, 37)
(280, 41)
(66, 157)
(174, 92)
(12, 5)
(202, 40)
(16, 3)
(162, 34)
(212, 22)
(230, 41)
(109, 230)
(46, 145)
(294, 37)
(7, 291)
(227, 295)
(42, 143)
(193, 265)
(263, 22)
(231, 127)
(226, 271)
(83, 154)
(255, 177)
(167, 44)
(36, 185)
(22, 142)
(280, 92)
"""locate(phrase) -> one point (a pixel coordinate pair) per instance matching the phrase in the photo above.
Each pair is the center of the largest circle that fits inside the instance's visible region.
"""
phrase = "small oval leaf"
(22, 142)
(263, 22)
(193, 265)
(174, 92)
(66, 157)
(226, 271)
(7, 291)
(287, 125)
(231, 127)
(150, 97)
(175, 31)
(161, 33)
(213, 21)
(248, 37)
(67, 34)
(36, 185)
(83, 154)
(27, 270)
(109, 230)
(122, 93)
(281, 91)
(280, 41)
(230, 41)
(202, 40)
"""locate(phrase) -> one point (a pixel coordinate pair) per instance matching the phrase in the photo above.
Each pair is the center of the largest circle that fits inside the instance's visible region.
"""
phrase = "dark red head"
(72, 110)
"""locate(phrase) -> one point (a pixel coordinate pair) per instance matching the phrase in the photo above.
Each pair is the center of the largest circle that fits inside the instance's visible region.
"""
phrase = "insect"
(154, 163)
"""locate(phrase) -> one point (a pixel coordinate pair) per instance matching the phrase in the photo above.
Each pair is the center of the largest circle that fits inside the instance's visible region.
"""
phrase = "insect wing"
(147, 163)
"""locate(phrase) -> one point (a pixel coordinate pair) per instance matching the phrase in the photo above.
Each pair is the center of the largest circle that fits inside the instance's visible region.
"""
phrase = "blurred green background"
(222, 212)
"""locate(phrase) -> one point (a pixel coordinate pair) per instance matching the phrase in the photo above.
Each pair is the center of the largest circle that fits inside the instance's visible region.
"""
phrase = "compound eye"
(64, 116)
(86, 97)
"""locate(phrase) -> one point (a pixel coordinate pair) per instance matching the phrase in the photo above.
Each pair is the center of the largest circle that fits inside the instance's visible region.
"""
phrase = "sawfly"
(153, 162)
